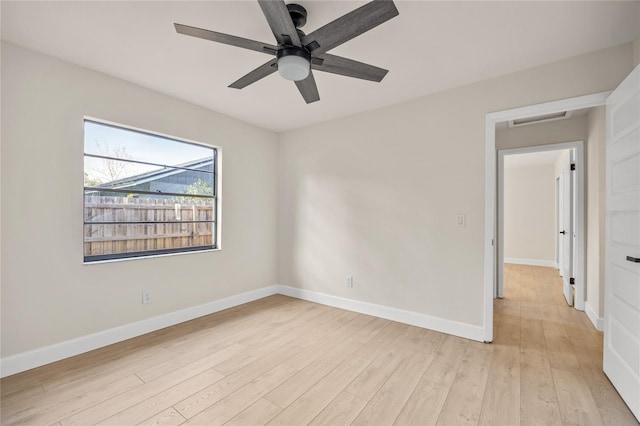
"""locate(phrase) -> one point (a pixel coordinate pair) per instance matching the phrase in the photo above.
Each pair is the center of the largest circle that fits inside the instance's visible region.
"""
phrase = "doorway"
(490, 190)
(621, 123)
(527, 232)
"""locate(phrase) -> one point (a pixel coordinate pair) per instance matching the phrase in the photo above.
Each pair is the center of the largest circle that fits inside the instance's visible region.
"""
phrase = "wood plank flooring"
(282, 361)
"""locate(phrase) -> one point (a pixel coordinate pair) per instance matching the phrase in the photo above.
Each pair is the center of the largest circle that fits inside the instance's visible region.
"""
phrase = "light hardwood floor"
(282, 361)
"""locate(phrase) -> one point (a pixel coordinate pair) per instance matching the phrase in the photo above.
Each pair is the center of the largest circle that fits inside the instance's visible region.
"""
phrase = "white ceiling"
(532, 159)
(429, 47)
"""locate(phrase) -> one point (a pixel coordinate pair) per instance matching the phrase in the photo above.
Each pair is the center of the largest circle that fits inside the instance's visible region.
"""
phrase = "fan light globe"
(294, 68)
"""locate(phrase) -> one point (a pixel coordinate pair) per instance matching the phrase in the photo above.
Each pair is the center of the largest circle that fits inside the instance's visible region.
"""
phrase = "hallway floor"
(557, 352)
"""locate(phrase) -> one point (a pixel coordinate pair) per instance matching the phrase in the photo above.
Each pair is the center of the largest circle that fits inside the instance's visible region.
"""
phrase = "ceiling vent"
(540, 119)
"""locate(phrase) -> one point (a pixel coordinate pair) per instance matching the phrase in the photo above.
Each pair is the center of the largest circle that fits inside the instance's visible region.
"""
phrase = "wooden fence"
(100, 239)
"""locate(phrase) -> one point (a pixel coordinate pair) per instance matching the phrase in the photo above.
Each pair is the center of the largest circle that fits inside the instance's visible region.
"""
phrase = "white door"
(566, 232)
(622, 252)
(560, 225)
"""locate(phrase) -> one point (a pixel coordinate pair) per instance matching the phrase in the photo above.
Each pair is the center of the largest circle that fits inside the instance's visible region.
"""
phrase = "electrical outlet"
(349, 281)
(146, 297)
(461, 220)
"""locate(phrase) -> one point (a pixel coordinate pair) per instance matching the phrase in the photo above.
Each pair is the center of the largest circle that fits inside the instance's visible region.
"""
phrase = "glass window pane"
(146, 194)
(113, 239)
(107, 173)
(110, 141)
(121, 208)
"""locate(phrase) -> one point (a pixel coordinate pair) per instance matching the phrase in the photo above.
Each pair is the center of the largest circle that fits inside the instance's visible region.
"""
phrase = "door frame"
(490, 184)
(559, 201)
(579, 215)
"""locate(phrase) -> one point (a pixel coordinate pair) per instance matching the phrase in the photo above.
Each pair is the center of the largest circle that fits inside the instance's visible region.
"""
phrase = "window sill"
(151, 256)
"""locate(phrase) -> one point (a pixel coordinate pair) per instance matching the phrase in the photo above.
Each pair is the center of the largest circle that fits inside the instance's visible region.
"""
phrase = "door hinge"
(573, 166)
(572, 280)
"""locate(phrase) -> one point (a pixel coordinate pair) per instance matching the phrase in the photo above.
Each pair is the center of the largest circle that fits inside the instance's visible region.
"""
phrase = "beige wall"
(529, 213)
(636, 50)
(569, 130)
(375, 195)
(48, 295)
(596, 142)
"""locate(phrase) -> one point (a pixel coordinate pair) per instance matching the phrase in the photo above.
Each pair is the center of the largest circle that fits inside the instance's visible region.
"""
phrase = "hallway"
(560, 353)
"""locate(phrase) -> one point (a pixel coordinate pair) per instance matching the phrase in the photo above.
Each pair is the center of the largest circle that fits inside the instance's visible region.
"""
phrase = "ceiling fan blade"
(261, 72)
(226, 39)
(280, 22)
(349, 26)
(308, 89)
(349, 67)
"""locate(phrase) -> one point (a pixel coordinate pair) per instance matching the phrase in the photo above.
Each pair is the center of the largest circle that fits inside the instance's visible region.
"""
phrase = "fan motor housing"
(293, 51)
(298, 14)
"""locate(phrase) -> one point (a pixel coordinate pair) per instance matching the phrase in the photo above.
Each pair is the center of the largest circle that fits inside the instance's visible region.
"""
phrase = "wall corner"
(636, 50)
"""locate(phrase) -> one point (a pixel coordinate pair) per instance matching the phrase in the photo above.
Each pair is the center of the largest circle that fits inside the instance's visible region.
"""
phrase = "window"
(146, 194)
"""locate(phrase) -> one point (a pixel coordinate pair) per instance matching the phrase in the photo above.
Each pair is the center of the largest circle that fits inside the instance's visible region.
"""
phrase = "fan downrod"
(298, 14)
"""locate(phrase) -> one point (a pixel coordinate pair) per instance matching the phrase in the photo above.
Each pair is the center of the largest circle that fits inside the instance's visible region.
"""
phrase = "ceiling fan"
(296, 54)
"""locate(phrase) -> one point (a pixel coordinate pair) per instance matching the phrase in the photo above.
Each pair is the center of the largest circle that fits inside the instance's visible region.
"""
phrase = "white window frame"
(217, 219)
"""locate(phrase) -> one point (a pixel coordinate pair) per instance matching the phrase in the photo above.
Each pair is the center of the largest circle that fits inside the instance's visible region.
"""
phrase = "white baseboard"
(531, 262)
(27, 360)
(597, 321)
(35, 358)
(467, 331)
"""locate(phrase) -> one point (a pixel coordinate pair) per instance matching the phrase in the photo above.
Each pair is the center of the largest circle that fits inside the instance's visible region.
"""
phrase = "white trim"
(558, 184)
(499, 292)
(531, 262)
(580, 227)
(151, 256)
(467, 331)
(218, 176)
(489, 226)
(580, 102)
(598, 322)
(27, 360)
